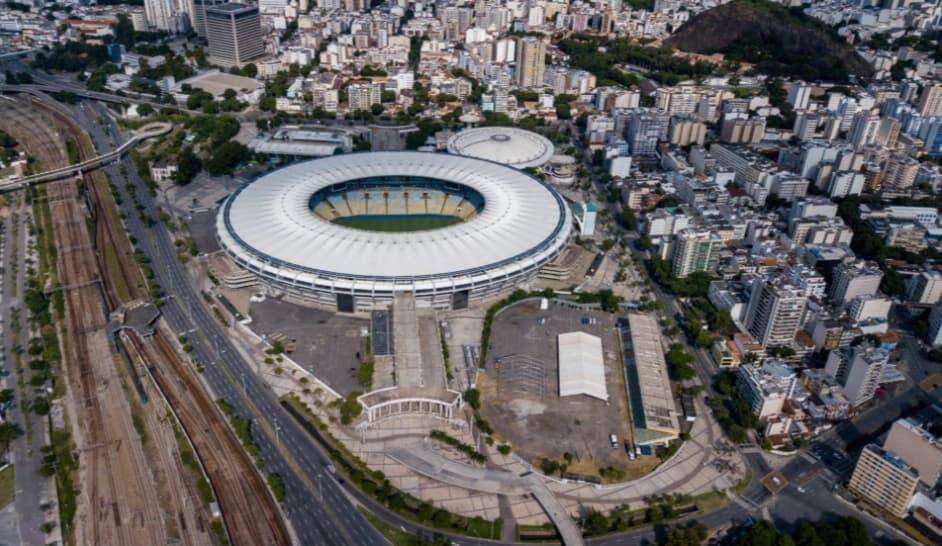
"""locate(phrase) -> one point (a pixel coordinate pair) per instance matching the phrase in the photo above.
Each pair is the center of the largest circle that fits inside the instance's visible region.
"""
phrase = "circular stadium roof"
(269, 224)
(508, 145)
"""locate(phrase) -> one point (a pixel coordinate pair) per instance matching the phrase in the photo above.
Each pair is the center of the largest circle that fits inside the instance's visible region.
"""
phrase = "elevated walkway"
(417, 366)
(498, 482)
(148, 131)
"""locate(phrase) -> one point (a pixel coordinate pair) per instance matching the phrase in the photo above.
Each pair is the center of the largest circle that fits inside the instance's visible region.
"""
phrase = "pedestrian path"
(425, 461)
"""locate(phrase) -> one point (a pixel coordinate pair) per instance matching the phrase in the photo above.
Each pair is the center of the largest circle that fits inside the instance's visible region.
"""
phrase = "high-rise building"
(900, 172)
(234, 32)
(686, 130)
(644, 130)
(695, 250)
(921, 449)
(935, 325)
(930, 101)
(766, 388)
(677, 100)
(775, 311)
(806, 123)
(161, 15)
(198, 15)
(531, 61)
(926, 287)
(858, 370)
(855, 279)
(361, 96)
(884, 479)
(864, 129)
(799, 95)
(741, 129)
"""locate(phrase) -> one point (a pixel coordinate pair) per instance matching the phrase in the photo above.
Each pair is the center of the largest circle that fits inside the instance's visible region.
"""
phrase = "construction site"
(157, 462)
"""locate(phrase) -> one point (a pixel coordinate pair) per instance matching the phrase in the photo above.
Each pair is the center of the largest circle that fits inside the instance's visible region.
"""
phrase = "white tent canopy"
(581, 368)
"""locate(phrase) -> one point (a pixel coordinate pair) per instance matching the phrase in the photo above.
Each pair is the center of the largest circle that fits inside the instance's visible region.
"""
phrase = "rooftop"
(581, 367)
(507, 145)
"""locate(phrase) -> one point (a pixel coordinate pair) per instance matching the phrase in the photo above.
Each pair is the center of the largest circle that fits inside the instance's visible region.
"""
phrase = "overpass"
(44, 89)
(148, 131)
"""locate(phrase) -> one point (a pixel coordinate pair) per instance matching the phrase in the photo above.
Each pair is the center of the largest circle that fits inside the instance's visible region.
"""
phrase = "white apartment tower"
(858, 370)
(695, 250)
(854, 279)
(775, 311)
(930, 101)
(531, 62)
(161, 15)
(799, 95)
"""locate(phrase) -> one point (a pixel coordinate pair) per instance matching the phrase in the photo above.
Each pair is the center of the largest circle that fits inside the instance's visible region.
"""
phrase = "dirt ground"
(521, 395)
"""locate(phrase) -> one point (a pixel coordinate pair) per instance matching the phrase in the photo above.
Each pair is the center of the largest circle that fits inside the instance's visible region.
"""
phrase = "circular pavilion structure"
(509, 146)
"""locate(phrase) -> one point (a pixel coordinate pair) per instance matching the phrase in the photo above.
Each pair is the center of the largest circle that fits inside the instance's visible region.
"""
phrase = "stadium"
(347, 232)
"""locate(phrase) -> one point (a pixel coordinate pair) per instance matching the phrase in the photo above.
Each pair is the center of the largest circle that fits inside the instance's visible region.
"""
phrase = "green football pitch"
(397, 223)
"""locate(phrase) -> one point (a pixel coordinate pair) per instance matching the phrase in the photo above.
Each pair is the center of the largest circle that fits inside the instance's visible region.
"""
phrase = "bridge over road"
(498, 482)
(148, 131)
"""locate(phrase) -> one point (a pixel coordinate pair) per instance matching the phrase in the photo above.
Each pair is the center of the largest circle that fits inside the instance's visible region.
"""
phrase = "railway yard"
(138, 481)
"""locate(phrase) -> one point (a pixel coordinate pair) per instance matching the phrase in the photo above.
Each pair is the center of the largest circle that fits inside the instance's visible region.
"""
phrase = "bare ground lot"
(524, 407)
(327, 343)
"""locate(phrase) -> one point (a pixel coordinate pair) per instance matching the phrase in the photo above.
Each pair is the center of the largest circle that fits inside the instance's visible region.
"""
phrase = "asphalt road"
(25, 450)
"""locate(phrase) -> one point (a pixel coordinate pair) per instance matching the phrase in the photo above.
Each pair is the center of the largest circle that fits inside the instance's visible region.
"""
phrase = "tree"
(376, 109)
(628, 219)
(692, 535)
(8, 432)
(596, 523)
(226, 157)
(188, 166)
(473, 397)
(678, 363)
(442, 519)
(893, 284)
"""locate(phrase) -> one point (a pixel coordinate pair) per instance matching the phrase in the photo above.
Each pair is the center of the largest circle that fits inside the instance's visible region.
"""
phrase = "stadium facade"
(348, 232)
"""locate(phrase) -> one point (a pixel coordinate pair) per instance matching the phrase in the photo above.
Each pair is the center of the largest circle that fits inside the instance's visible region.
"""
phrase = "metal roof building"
(268, 227)
(581, 368)
(652, 401)
(506, 145)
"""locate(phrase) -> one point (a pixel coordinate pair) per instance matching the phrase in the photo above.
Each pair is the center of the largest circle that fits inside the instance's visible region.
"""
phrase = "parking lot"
(327, 343)
(521, 391)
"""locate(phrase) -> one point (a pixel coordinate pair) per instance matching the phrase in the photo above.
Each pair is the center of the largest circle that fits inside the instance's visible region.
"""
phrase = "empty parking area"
(327, 343)
(521, 389)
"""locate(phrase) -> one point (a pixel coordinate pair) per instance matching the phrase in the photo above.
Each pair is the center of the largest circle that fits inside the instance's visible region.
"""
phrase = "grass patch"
(397, 223)
(59, 460)
(7, 486)
(395, 535)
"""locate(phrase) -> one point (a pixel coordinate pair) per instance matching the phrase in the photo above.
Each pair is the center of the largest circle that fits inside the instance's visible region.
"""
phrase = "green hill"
(779, 41)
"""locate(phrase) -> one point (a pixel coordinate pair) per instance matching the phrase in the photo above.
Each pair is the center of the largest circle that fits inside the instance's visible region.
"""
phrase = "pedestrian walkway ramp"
(498, 482)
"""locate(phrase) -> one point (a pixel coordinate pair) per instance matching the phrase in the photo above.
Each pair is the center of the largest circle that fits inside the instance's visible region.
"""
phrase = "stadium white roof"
(268, 223)
(581, 368)
(507, 145)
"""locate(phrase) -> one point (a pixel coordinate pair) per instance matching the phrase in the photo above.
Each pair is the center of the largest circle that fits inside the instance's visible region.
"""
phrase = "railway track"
(118, 502)
(249, 511)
